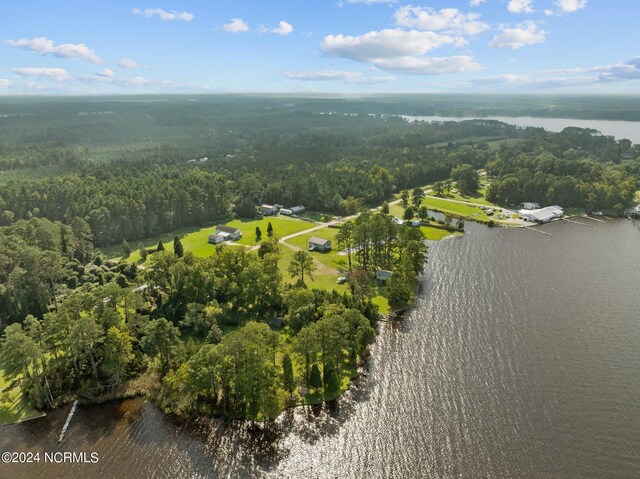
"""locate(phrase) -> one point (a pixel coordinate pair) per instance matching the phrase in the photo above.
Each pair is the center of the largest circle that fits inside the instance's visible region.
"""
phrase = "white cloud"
(529, 82)
(338, 75)
(44, 46)
(430, 65)
(324, 75)
(163, 14)
(476, 3)
(448, 20)
(399, 50)
(365, 2)
(382, 44)
(4, 83)
(520, 6)
(523, 34)
(627, 70)
(107, 73)
(128, 64)
(508, 78)
(236, 25)
(118, 81)
(618, 72)
(569, 6)
(283, 28)
(134, 81)
(55, 74)
(548, 12)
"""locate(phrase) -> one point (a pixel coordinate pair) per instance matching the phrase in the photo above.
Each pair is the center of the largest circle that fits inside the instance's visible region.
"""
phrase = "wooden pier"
(537, 231)
(576, 222)
(592, 219)
(66, 424)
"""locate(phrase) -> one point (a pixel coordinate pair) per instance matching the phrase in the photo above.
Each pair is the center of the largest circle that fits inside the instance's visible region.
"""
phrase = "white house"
(541, 215)
(319, 244)
(216, 239)
(268, 210)
(286, 212)
(225, 233)
(297, 209)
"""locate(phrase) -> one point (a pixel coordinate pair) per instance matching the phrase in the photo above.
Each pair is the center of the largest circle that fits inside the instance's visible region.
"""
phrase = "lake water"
(619, 129)
(521, 360)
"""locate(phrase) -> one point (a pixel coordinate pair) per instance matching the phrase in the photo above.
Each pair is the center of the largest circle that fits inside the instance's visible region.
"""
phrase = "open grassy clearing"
(328, 266)
(432, 234)
(323, 278)
(282, 227)
(196, 240)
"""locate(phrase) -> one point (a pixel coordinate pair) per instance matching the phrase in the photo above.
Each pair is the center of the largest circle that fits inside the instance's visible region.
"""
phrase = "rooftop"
(225, 229)
(316, 240)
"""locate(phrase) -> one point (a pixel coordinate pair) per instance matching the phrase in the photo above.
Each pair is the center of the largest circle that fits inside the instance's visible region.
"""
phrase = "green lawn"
(323, 278)
(196, 240)
(327, 265)
(446, 206)
(432, 234)
(13, 407)
(329, 259)
(282, 226)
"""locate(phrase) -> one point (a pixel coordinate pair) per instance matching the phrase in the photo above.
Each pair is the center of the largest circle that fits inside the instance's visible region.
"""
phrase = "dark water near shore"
(521, 360)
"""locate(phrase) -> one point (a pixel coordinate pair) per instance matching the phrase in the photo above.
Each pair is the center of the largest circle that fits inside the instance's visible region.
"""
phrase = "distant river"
(619, 129)
(521, 360)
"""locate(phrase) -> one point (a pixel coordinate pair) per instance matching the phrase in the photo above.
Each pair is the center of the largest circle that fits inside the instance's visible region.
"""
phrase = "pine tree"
(269, 229)
(315, 380)
(160, 246)
(287, 374)
(385, 208)
(143, 251)
(408, 214)
(126, 249)
(331, 382)
(178, 249)
(258, 233)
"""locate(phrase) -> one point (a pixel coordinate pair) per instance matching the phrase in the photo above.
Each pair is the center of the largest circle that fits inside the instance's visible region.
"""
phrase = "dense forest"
(225, 333)
(134, 170)
(196, 333)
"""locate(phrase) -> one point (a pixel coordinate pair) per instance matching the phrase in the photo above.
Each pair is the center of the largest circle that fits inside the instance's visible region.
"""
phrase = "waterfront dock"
(68, 421)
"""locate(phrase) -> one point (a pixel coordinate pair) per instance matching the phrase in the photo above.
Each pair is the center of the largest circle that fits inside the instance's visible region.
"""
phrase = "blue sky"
(350, 46)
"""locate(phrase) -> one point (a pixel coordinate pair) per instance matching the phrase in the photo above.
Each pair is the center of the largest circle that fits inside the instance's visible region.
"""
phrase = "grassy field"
(13, 407)
(195, 240)
(328, 266)
(282, 226)
(432, 234)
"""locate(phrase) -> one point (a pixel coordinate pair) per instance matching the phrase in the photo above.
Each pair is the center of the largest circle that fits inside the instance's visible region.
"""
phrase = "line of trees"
(97, 339)
(121, 203)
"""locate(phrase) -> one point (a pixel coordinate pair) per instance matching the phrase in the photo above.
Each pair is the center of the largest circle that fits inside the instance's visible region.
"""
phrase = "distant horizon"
(294, 94)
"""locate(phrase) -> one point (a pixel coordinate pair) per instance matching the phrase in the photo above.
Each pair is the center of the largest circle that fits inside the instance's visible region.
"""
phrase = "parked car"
(341, 280)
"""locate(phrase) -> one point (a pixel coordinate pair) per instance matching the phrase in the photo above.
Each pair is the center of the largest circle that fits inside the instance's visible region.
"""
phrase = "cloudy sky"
(351, 46)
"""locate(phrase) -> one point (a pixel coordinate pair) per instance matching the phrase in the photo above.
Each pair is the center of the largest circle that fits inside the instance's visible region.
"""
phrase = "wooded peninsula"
(284, 313)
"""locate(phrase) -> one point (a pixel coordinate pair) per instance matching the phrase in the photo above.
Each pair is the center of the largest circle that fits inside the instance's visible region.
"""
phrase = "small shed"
(268, 210)
(319, 244)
